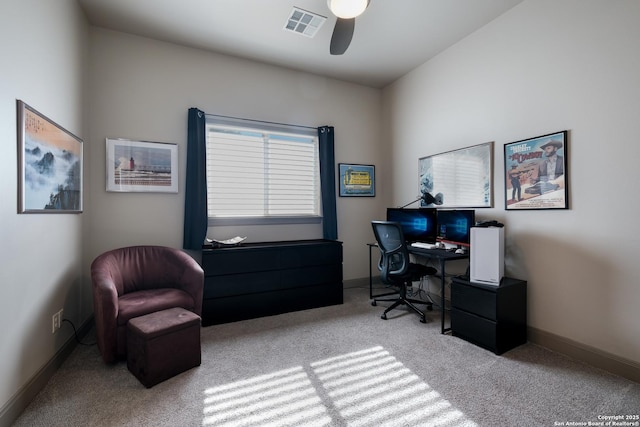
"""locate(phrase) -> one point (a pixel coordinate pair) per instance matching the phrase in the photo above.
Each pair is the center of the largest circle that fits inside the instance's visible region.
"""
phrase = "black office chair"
(395, 266)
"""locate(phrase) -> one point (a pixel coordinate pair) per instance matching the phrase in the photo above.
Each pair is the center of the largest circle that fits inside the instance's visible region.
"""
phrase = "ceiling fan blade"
(342, 35)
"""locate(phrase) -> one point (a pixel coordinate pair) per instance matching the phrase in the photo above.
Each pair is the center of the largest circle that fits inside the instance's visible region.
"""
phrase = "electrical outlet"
(59, 319)
(56, 321)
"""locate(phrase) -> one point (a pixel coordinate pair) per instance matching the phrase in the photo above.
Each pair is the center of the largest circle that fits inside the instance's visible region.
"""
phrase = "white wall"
(43, 48)
(142, 89)
(542, 67)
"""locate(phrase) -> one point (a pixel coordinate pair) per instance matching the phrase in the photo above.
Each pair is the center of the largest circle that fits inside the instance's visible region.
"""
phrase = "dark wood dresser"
(262, 279)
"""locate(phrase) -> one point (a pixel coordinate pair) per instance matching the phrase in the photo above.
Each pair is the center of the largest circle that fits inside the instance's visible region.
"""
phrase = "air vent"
(303, 22)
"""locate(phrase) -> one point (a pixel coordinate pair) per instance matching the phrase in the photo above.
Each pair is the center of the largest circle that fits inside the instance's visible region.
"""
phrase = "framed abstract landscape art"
(49, 165)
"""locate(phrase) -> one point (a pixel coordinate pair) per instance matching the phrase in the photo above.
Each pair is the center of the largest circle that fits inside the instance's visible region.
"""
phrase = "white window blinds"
(457, 178)
(261, 170)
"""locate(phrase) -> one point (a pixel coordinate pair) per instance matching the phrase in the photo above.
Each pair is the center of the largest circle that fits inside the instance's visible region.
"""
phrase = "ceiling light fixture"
(347, 9)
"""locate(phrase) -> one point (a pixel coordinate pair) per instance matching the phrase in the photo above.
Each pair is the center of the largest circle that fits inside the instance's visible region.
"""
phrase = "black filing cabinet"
(492, 317)
(262, 279)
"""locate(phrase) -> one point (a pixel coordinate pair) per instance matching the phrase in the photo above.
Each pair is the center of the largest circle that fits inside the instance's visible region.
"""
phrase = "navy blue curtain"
(328, 183)
(195, 200)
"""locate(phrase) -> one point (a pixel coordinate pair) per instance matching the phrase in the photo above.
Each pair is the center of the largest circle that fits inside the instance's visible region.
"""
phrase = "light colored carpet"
(337, 366)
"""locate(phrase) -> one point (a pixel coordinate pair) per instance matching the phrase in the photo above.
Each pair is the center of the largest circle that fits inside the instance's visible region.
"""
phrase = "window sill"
(265, 220)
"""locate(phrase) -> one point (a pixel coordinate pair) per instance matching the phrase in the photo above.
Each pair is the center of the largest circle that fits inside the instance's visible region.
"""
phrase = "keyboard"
(423, 245)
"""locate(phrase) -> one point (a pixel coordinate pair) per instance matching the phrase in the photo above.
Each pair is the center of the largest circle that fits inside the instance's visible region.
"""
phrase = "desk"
(441, 255)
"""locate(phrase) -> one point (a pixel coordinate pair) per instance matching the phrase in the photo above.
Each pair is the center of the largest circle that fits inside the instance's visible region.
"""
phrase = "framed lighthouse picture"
(141, 166)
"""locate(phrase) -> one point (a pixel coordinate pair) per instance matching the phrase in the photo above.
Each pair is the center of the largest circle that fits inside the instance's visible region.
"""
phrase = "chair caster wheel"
(373, 303)
(423, 320)
(429, 308)
(383, 317)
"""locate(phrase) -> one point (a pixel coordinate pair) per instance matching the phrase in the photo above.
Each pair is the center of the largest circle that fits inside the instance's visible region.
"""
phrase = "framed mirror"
(464, 177)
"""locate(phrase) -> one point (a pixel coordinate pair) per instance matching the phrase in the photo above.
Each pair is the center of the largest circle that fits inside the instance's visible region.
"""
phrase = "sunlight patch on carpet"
(281, 398)
(372, 388)
(367, 388)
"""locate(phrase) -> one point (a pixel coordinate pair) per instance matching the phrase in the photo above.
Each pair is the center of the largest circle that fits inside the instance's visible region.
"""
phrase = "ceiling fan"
(346, 11)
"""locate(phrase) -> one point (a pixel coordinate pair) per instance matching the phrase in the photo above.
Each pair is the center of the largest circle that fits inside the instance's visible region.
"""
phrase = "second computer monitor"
(454, 226)
(418, 225)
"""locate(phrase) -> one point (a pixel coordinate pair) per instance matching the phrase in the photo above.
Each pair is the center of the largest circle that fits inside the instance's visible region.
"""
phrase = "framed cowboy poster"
(536, 173)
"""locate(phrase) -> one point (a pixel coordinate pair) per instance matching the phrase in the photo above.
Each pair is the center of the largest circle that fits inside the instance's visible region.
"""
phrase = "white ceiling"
(391, 37)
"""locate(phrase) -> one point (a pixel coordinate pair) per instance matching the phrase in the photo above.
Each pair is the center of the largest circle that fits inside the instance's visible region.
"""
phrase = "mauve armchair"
(134, 281)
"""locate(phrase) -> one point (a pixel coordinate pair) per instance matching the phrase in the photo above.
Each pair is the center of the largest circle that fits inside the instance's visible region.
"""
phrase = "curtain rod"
(260, 121)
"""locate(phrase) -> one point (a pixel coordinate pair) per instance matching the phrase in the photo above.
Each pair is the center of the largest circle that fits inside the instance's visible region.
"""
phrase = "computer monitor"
(418, 225)
(454, 226)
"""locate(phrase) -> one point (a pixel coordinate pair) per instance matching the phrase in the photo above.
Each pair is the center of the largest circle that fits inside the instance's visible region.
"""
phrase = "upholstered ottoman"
(163, 344)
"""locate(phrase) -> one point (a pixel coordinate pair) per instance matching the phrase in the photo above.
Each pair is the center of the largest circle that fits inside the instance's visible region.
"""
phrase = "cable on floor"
(75, 334)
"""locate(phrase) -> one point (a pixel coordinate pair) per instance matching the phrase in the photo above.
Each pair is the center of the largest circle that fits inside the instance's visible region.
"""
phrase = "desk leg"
(370, 276)
(442, 299)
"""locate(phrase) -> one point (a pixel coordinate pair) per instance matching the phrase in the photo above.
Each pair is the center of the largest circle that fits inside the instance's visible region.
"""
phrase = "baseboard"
(600, 359)
(14, 407)
(362, 282)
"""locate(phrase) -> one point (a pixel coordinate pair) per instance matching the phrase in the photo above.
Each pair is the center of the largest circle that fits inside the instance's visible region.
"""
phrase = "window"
(463, 176)
(261, 173)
